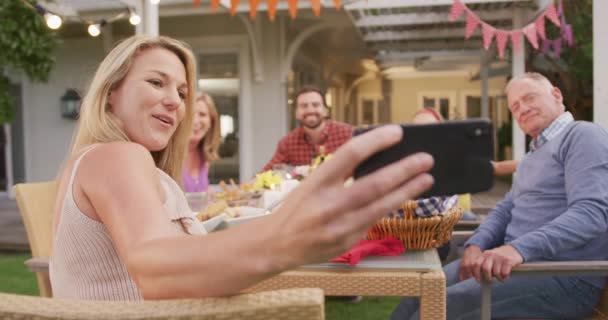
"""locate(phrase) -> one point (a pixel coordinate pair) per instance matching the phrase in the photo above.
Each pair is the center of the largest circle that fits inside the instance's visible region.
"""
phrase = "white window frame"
(451, 95)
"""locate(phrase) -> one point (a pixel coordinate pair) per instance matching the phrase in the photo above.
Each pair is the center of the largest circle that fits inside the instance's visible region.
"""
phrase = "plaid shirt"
(297, 148)
(552, 130)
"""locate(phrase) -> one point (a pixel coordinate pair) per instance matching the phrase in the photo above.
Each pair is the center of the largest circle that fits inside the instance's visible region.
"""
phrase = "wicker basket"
(417, 233)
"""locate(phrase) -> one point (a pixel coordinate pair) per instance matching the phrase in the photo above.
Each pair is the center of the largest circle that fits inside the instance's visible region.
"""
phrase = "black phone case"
(462, 151)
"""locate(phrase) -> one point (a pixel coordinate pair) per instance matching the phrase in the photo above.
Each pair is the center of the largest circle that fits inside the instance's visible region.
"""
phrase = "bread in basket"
(417, 233)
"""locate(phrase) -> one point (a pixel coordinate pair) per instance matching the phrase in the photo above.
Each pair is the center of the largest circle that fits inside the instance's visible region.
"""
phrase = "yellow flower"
(267, 180)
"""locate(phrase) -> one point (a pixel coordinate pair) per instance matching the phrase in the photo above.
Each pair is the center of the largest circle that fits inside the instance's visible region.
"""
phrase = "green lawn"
(16, 278)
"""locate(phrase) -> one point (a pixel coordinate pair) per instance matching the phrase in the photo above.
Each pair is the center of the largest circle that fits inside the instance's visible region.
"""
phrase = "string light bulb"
(94, 29)
(53, 21)
(154, 1)
(134, 19)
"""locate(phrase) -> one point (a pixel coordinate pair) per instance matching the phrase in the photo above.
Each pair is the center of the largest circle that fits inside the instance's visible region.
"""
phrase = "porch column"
(138, 6)
(150, 18)
(269, 101)
(483, 76)
(518, 68)
(600, 64)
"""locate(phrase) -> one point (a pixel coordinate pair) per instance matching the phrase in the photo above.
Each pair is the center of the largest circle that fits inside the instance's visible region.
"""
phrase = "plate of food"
(240, 215)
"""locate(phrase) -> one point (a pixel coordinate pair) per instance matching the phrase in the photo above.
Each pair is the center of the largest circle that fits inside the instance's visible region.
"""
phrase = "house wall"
(405, 93)
(48, 135)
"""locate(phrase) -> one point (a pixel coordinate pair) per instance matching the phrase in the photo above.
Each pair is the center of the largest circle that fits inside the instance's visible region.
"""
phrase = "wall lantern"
(70, 104)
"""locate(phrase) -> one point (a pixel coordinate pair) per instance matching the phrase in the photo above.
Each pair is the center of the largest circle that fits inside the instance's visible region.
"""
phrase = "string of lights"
(94, 27)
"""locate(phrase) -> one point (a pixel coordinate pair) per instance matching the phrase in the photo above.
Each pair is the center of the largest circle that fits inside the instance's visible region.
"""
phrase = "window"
(440, 101)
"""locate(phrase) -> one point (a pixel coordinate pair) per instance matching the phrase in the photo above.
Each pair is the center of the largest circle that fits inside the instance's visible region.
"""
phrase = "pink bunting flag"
(456, 11)
(546, 46)
(530, 32)
(540, 27)
(557, 48)
(516, 40)
(551, 14)
(488, 35)
(472, 23)
(568, 35)
(501, 42)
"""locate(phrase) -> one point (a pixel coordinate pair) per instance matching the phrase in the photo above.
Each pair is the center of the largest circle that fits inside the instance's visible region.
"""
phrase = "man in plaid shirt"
(303, 144)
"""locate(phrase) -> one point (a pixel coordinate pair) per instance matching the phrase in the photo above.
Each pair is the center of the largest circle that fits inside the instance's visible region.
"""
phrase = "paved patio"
(12, 231)
(13, 236)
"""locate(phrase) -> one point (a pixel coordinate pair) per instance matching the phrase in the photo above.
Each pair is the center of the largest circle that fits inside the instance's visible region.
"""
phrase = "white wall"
(47, 134)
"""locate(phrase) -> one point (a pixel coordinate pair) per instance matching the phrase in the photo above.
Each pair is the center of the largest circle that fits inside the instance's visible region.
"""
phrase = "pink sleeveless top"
(84, 263)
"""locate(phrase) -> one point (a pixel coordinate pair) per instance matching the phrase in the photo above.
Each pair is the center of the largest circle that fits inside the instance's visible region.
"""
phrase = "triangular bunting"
(530, 32)
(214, 4)
(338, 4)
(272, 8)
(487, 32)
(253, 8)
(293, 8)
(233, 5)
(456, 11)
(551, 14)
(316, 7)
(472, 23)
(557, 47)
(197, 3)
(516, 40)
(501, 42)
(568, 34)
(540, 26)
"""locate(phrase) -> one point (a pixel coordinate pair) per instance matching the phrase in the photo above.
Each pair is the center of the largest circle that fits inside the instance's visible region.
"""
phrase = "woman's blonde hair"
(210, 143)
(98, 125)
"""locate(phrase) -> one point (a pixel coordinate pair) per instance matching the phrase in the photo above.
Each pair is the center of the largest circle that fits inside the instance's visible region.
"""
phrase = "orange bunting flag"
(214, 4)
(272, 8)
(293, 8)
(233, 5)
(337, 4)
(197, 3)
(316, 7)
(253, 8)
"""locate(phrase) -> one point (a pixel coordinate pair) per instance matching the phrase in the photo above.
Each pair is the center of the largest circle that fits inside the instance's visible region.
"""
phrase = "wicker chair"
(296, 304)
(552, 268)
(36, 201)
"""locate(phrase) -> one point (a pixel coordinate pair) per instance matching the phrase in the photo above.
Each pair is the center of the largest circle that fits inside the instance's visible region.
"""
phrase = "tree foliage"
(26, 44)
(572, 72)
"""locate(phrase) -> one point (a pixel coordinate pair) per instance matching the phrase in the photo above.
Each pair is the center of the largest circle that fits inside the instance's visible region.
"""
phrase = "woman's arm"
(320, 219)
(504, 168)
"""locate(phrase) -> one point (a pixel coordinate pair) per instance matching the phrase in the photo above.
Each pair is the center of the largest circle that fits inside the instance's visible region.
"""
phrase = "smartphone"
(462, 151)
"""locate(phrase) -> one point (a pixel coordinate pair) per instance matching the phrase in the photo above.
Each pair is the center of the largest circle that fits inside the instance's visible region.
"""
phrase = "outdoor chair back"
(36, 202)
(297, 304)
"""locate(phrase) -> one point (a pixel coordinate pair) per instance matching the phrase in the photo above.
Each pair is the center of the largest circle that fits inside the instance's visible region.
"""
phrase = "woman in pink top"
(123, 229)
(203, 145)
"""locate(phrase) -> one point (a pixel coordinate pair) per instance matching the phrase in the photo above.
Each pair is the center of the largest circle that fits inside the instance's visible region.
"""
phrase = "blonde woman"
(122, 226)
(203, 144)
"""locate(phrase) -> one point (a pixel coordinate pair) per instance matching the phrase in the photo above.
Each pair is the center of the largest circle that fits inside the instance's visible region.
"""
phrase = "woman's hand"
(322, 219)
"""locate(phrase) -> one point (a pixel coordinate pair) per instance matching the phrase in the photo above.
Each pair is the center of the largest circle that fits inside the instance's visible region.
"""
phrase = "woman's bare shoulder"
(116, 158)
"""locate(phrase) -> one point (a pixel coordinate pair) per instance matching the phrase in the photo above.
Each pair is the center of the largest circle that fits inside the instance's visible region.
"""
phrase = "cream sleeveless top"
(84, 263)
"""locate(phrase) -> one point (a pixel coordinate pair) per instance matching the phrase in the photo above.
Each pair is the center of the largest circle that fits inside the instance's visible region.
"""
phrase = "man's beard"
(312, 126)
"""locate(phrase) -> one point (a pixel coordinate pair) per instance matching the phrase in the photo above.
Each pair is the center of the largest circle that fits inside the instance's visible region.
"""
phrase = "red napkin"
(384, 247)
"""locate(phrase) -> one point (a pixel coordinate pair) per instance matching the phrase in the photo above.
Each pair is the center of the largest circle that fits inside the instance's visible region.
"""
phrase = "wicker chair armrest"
(567, 268)
(298, 304)
(37, 264)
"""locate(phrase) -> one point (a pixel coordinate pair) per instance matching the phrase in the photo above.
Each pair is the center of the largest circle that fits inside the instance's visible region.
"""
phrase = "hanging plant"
(26, 44)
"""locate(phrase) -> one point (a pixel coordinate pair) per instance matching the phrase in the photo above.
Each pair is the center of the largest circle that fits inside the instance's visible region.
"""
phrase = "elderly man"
(557, 209)
(303, 144)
